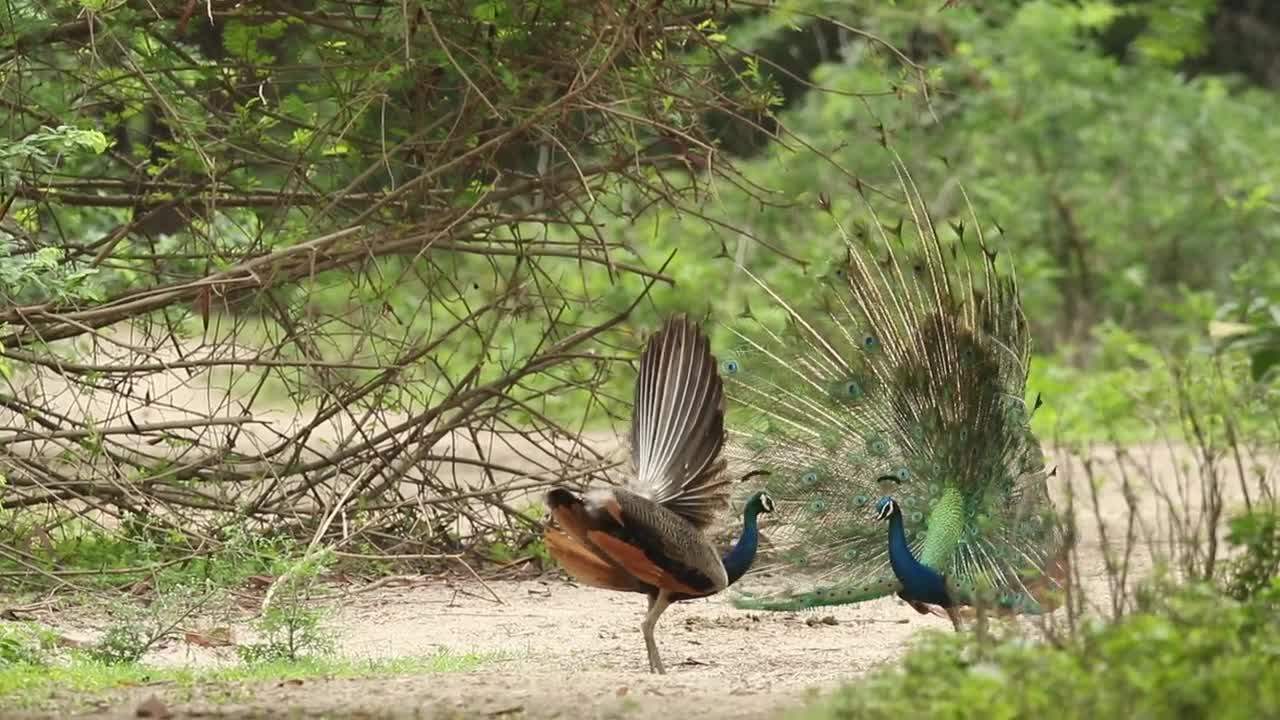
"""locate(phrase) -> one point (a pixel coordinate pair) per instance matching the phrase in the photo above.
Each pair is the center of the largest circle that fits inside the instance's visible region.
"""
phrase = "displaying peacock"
(895, 392)
(649, 537)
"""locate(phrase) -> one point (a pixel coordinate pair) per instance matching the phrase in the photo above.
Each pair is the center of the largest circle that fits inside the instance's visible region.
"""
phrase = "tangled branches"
(266, 266)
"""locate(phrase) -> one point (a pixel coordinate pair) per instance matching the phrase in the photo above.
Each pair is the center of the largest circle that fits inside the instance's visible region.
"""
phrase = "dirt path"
(575, 652)
(568, 652)
(564, 652)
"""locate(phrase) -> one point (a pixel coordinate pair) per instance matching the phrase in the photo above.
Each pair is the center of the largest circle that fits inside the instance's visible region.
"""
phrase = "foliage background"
(468, 213)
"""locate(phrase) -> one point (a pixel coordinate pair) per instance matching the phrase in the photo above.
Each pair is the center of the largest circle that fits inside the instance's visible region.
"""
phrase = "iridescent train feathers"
(909, 359)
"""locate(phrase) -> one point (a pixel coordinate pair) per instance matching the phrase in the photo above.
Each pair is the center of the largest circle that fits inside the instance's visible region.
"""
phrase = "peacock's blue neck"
(738, 560)
(919, 582)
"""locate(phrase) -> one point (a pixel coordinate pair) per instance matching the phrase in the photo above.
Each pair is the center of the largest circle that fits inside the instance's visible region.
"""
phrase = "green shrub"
(1257, 568)
(122, 644)
(25, 644)
(1191, 653)
(292, 627)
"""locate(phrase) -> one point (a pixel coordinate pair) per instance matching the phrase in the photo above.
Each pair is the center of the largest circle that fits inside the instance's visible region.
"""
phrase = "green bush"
(1257, 569)
(122, 644)
(292, 627)
(24, 644)
(1191, 653)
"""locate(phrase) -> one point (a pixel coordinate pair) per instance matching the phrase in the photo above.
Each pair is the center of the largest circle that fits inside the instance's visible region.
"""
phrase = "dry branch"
(375, 326)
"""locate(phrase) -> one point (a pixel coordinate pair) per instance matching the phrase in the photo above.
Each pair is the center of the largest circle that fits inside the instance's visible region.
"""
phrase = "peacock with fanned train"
(650, 536)
(895, 392)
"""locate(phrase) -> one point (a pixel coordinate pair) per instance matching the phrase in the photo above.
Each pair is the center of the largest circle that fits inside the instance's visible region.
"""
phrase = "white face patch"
(766, 503)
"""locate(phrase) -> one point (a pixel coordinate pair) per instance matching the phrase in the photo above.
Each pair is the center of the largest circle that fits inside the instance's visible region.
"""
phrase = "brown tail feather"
(635, 562)
(618, 538)
(586, 566)
(569, 512)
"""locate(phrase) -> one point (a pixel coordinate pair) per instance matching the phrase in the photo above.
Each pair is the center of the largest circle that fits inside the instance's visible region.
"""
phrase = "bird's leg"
(646, 628)
(954, 614)
(657, 605)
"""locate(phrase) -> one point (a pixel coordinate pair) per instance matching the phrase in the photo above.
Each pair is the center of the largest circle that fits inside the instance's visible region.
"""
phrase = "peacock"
(895, 391)
(650, 536)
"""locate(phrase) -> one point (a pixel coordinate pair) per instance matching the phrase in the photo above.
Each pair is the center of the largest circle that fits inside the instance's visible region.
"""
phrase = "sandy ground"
(575, 652)
(564, 651)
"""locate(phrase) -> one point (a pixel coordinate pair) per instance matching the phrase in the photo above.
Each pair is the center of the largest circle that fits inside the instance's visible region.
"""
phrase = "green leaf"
(1264, 360)
(1098, 14)
(489, 11)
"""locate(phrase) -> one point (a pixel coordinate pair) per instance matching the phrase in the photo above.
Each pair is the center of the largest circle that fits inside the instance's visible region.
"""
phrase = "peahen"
(899, 379)
(649, 537)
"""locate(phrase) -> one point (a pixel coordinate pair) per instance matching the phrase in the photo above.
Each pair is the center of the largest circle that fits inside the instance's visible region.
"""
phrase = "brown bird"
(650, 537)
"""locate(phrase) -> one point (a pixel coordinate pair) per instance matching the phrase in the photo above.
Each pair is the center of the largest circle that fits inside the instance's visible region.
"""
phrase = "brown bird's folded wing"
(587, 566)
(650, 543)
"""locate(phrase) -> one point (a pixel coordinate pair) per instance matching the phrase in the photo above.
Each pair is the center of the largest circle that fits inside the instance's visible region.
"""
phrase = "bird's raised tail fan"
(649, 538)
(901, 374)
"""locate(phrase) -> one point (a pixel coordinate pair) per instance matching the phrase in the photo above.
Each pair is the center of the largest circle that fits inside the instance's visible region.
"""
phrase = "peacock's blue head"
(760, 502)
(885, 507)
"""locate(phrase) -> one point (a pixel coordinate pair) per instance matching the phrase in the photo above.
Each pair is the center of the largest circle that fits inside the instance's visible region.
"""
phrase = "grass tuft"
(81, 681)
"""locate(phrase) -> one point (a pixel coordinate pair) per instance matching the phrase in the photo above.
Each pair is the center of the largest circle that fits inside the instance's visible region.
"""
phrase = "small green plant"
(136, 630)
(1257, 568)
(291, 626)
(532, 547)
(525, 545)
(289, 633)
(124, 643)
(1252, 326)
(25, 644)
